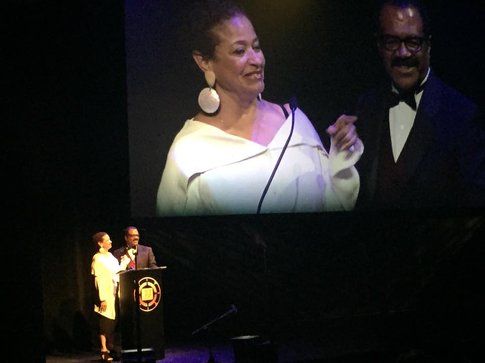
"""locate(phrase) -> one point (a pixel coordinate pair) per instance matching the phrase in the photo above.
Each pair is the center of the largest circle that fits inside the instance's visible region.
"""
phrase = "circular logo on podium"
(150, 293)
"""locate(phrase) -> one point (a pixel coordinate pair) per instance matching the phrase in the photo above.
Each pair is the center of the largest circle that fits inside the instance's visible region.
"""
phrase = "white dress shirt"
(401, 121)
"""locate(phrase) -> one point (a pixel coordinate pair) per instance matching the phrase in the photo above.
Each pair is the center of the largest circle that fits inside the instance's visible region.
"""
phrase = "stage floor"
(180, 354)
(224, 353)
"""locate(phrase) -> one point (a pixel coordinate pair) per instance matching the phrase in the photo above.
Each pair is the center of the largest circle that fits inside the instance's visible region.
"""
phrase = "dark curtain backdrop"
(344, 284)
(346, 279)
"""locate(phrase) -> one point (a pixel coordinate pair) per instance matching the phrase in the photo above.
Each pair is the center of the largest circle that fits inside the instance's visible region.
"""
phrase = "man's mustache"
(406, 62)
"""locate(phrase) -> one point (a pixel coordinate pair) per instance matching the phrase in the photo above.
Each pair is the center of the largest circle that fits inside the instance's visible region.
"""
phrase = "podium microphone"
(206, 326)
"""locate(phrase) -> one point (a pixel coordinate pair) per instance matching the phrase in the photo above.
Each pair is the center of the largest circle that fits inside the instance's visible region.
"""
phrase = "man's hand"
(124, 262)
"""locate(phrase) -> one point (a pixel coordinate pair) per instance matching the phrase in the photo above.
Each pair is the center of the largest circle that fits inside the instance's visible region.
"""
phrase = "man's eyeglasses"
(392, 43)
(133, 235)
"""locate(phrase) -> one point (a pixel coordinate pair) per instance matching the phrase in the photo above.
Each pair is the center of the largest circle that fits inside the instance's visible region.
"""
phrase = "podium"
(141, 324)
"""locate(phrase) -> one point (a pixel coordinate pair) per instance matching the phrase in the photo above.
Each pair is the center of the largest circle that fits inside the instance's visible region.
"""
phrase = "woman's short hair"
(206, 15)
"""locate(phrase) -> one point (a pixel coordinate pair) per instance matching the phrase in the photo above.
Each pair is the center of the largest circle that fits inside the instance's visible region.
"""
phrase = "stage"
(223, 352)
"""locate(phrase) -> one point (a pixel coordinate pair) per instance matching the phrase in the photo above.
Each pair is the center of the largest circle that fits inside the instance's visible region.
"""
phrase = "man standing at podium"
(140, 256)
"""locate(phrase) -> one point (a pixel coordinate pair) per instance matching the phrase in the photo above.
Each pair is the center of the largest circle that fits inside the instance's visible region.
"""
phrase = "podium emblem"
(150, 293)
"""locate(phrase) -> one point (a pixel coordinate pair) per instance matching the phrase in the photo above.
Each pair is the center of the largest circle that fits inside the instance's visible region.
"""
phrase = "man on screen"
(144, 254)
(425, 142)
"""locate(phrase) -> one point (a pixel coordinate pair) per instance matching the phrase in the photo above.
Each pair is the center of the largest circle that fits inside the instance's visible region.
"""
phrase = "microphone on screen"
(293, 106)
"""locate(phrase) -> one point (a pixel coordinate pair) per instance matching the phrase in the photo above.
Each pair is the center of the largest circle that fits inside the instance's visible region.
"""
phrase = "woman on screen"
(242, 154)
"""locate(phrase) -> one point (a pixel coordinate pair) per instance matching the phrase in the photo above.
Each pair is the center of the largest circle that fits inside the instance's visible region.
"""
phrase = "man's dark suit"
(442, 164)
(145, 257)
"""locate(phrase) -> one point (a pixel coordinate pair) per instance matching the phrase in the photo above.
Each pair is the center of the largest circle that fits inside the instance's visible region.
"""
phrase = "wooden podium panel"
(142, 323)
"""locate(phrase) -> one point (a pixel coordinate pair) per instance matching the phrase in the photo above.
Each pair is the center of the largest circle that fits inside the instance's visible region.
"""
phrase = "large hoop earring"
(209, 100)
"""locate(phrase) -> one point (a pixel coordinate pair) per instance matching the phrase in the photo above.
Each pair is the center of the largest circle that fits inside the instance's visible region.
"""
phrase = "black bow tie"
(408, 97)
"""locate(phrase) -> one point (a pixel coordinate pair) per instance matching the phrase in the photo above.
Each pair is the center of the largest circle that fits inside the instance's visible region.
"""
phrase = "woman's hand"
(102, 306)
(343, 132)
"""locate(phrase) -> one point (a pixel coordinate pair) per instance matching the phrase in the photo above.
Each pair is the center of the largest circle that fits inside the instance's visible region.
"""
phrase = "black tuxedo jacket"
(145, 257)
(444, 153)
